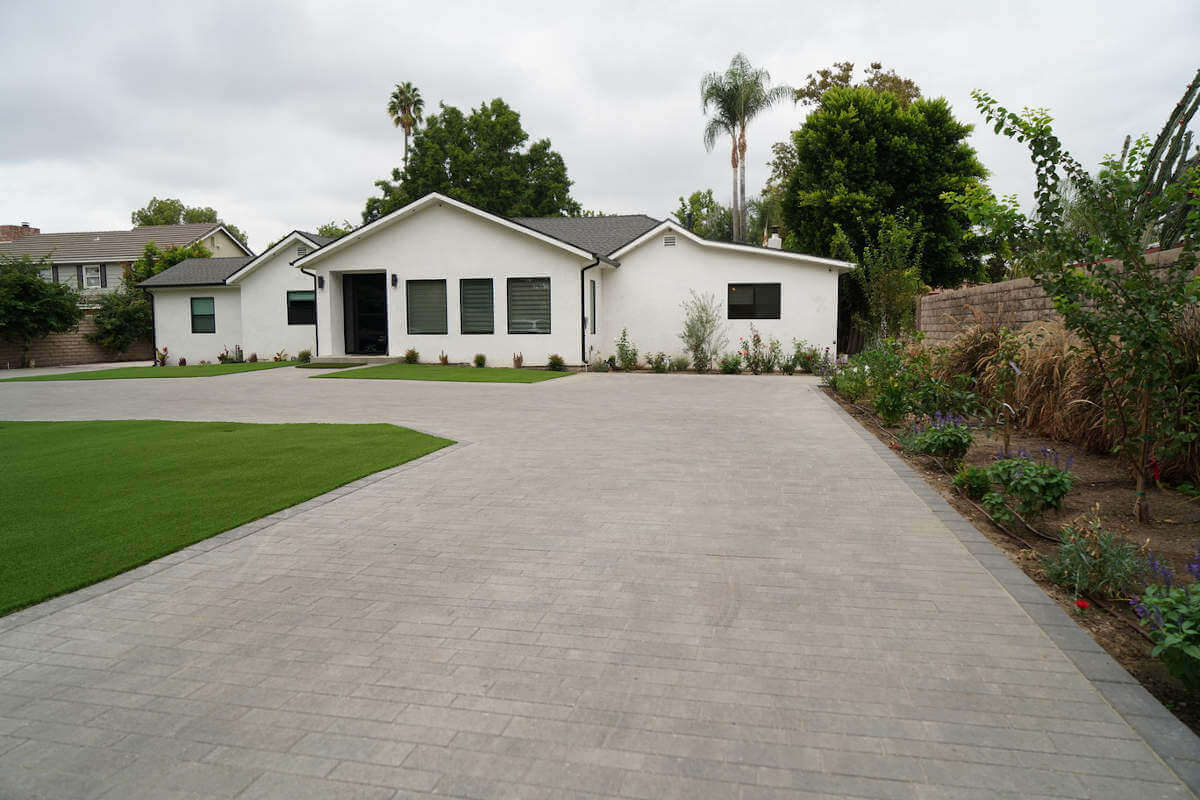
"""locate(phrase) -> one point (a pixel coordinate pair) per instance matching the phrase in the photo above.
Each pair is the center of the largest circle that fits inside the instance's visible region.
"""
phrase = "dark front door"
(366, 313)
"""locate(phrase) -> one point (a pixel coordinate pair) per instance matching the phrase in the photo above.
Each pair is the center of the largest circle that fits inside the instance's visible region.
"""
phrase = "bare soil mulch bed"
(1172, 535)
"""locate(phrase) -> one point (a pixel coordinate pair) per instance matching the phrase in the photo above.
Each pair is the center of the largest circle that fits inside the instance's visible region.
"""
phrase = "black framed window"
(476, 304)
(592, 309)
(754, 301)
(204, 315)
(426, 307)
(528, 305)
(302, 308)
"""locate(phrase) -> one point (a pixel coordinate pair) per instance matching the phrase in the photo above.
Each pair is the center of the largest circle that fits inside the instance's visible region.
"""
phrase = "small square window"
(529, 305)
(204, 315)
(302, 308)
(754, 300)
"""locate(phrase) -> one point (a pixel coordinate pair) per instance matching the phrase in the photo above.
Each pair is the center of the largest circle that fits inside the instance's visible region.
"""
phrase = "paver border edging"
(64, 601)
(1164, 734)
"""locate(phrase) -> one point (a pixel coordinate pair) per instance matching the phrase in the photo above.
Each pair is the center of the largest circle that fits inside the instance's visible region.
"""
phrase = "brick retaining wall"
(71, 348)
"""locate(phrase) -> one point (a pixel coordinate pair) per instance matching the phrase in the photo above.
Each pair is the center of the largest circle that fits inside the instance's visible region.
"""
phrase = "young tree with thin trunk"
(406, 108)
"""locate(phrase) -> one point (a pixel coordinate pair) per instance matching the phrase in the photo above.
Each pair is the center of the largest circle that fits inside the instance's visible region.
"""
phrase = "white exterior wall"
(443, 242)
(646, 292)
(173, 323)
(265, 328)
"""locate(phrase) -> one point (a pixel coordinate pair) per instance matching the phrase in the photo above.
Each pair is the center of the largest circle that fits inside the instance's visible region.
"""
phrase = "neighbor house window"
(592, 308)
(204, 315)
(754, 301)
(302, 308)
(91, 276)
(476, 305)
(528, 305)
(426, 307)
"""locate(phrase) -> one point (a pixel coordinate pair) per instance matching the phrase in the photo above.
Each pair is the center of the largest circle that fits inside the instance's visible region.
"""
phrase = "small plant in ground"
(518, 360)
(1094, 561)
(658, 362)
(627, 352)
(1033, 486)
(787, 365)
(703, 332)
(411, 356)
(280, 356)
(679, 363)
(891, 402)
(555, 363)
(253, 359)
(850, 382)
(480, 360)
(160, 357)
(753, 351)
(443, 359)
(304, 356)
(203, 362)
(731, 364)
(1171, 612)
(973, 481)
(600, 365)
(182, 362)
(946, 436)
(774, 355)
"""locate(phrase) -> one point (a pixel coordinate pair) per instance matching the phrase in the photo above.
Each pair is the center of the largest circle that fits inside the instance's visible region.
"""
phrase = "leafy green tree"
(32, 307)
(737, 96)
(122, 318)
(333, 230)
(480, 159)
(861, 157)
(406, 107)
(154, 260)
(169, 211)
(1127, 310)
(703, 215)
(888, 273)
(841, 74)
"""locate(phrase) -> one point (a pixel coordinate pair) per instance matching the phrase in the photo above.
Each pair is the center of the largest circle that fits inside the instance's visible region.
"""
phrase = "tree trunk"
(406, 147)
(1141, 507)
(743, 222)
(736, 210)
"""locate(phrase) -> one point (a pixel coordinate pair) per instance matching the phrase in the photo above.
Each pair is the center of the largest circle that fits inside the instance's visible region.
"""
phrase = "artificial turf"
(437, 372)
(83, 501)
(190, 371)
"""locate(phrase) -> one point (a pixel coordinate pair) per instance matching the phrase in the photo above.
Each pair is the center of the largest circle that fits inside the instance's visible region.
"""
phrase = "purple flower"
(1159, 569)
(1015, 368)
(1193, 566)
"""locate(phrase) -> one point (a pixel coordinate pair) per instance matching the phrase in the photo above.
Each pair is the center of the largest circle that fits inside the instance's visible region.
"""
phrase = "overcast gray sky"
(273, 113)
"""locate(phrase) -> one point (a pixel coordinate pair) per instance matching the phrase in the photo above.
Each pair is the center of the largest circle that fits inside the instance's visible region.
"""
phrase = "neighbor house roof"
(254, 263)
(197, 272)
(599, 235)
(319, 241)
(106, 246)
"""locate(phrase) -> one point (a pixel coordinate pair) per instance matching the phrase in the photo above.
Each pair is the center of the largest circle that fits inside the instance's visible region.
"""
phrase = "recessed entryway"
(365, 297)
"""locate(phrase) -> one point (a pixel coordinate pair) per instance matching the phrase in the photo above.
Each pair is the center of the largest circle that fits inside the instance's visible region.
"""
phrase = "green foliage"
(862, 156)
(705, 216)
(658, 362)
(124, 317)
(304, 356)
(679, 363)
(1031, 486)
(481, 159)
(333, 230)
(787, 365)
(154, 260)
(1172, 615)
(948, 438)
(1092, 232)
(1093, 561)
(555, 363)
(703, 332)
(758, 356)
(169, 211)
(731, 364)
(808, 359)
(850, 383)
(31, 307)
(411, 356)
(888, 271)
(406, 108)
(627, 352)
(841, 74)
(974, 481)
(480, 360)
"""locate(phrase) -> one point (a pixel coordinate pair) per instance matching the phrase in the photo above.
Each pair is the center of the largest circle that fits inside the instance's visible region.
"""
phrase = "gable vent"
(669, 240)
(302, 251)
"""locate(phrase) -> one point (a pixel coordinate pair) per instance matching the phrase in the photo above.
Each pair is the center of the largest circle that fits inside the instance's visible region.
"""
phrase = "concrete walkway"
(614, 586)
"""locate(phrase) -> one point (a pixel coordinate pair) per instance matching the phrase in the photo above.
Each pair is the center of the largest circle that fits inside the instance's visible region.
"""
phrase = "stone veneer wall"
(71, 348)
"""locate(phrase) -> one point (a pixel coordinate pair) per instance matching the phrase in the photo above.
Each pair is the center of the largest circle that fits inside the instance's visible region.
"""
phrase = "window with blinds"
(426, 307)
(302, 308)
(476, 305)
(754, 301)
(204, 315)
(528, 305)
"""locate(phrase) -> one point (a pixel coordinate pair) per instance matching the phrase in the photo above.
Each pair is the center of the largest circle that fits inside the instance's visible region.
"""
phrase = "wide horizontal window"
(302, 308)
(754, 301)
(528, 305)
(204, 315)
(426, 307)
(476, 305)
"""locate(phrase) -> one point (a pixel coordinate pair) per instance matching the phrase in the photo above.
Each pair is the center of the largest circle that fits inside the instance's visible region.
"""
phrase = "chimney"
(774, 241)
(10, 233)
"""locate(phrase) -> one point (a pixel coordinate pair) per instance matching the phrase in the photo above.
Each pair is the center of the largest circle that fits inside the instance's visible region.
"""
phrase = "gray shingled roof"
(197, 272)
(602, 235)
(104, 246)
(320, 241)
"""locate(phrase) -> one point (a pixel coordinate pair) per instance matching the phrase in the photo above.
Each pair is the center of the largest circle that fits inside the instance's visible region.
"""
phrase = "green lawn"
(330, 364)
(190, 371)
(436, 372)
(83, 501)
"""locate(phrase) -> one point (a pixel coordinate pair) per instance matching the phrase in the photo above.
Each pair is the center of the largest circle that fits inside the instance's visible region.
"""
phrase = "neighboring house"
(263, 304)
(439, 275)
(95, 261)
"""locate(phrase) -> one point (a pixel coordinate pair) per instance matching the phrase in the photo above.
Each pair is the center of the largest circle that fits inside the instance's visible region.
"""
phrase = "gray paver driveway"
(633, 586)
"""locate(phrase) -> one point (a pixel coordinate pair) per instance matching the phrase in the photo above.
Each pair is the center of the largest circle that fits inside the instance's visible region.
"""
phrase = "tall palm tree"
(737, 96)
(405, 107)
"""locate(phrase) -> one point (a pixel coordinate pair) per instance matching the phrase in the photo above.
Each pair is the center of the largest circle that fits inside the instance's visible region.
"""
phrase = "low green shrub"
(480, 360)
(890, 401)
(304, 356)
(555, 363)
(627, 352)
(850, 382)
(973, 481)
(1171, 614)
(658, 362)
(946, 436)
(787, 365)
(680, 363)
(1035, 486)
(807, 358)
(1094, 561)
(731, 364)
(411, 356)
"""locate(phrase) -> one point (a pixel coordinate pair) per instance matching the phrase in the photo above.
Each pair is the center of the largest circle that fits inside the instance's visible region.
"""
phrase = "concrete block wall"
(71, 348)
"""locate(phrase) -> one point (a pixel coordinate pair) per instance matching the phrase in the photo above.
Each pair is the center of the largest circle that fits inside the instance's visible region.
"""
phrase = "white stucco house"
(203, 306)
(442, 276)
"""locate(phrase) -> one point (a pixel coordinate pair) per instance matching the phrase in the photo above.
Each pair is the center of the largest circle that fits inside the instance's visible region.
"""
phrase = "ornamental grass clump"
(1091, 560)
(1170, 612)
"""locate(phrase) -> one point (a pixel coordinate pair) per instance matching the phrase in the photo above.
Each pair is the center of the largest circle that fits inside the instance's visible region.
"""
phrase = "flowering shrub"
(731, 364)
(1092, 560)
(1172, 615)
(787, 365)
(627, 352)
(759, 357)
(1034, 486)
(946, 436)
(658, 362)
(850, 382)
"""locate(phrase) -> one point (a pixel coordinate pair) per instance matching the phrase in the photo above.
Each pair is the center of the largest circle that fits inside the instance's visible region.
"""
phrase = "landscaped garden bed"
(156, 487)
